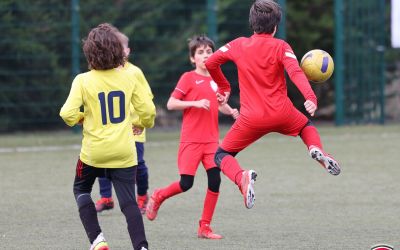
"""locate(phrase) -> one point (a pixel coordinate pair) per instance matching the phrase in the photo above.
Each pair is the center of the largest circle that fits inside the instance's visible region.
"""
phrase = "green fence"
(360, 70)
(40, 48)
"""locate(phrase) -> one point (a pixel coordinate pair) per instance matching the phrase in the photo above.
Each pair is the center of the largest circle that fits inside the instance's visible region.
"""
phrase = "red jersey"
(198, 125)
(261, 60)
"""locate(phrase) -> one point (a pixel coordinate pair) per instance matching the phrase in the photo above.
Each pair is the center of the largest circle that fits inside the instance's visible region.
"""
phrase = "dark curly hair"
(264, 16)
(102, 48)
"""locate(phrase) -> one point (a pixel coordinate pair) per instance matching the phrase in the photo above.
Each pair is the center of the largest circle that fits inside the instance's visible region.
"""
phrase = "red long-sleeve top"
(261, 60)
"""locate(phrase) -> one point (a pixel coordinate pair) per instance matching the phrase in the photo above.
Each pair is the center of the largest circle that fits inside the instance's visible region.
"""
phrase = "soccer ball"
(317, 65)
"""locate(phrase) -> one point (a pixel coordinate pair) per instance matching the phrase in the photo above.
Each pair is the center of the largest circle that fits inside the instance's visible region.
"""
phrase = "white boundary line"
(39, 149)
(342, 137)
(28, 149)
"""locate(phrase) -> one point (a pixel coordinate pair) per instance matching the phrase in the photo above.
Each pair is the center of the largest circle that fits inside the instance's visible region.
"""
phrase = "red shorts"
(245, 131)
(191, 154)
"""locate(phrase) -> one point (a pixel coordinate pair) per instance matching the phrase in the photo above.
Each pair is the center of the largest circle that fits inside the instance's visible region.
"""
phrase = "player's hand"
(137, 130)
(203, 104)
(310, 107)
(235, 113)
(223, 99)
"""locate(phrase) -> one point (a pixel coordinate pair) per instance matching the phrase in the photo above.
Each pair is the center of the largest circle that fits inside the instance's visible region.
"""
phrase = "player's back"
(108, 138)
(263, 90)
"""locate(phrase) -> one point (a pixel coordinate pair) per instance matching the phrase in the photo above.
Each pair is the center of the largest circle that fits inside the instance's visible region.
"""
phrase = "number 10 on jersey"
(107, 104)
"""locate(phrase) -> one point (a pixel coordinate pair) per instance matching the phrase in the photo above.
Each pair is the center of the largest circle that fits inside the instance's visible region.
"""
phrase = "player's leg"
(311, 138)
(189, 157)
(142, 178)
(212, 194)
(106, 201)
(301, 125)
(83, 183)
(161, 194)
(238, 138)
(124, 186)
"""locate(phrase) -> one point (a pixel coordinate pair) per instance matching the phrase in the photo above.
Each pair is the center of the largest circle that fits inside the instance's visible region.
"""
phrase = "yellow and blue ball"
(317, 65)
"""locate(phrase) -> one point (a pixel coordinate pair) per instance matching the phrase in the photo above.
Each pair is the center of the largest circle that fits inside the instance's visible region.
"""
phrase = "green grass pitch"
(298, 204)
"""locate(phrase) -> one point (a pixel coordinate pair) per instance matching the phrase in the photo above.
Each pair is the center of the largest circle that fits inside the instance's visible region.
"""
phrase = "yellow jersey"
(107, 97)
(138, 73)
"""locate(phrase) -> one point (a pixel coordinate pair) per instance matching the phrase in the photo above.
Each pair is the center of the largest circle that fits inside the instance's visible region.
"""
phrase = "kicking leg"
(311, 138)
(243, 178)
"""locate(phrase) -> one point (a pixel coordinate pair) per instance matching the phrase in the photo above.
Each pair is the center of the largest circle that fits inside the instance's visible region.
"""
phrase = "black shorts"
(123, 180)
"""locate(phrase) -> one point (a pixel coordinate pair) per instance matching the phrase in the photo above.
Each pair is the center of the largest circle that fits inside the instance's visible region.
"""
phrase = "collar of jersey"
(262, 35)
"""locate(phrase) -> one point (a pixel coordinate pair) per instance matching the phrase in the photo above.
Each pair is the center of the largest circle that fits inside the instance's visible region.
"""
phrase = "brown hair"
(102, 48)
(123, 38)
(264, 16)
(199, 41)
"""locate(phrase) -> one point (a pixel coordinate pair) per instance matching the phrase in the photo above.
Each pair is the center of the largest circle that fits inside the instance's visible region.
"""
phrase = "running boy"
(264, 105)
(142, 177)
(195, 94)
(106, 94)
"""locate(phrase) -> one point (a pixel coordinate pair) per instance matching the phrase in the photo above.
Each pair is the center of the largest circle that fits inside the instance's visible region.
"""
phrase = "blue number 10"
(110, 97)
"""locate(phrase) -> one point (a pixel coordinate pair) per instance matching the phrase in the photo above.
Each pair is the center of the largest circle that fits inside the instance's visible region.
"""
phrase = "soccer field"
(298, 204)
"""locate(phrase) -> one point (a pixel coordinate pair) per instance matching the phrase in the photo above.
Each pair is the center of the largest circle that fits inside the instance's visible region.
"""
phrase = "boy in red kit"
(195, 94)
(264, 105)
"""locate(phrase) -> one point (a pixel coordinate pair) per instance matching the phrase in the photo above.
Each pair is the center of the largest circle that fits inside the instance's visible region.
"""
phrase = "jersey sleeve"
(182, 87)
(70, 111)
(138, 73)
(295, 73)
(143, 81)
(143, 106)
(213, 65)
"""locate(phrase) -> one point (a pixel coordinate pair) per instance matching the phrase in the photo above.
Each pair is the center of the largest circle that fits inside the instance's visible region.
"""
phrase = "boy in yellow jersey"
(106, 201)
(107, 93)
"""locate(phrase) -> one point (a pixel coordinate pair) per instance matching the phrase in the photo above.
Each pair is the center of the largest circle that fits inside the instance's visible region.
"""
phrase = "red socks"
(171, 190)
(310, 137)
(231, 168)
(210, 203)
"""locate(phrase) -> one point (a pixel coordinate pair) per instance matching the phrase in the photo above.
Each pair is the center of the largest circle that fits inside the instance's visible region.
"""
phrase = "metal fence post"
(212, 20)
(75, 41)
(281, 33)
(339, 62)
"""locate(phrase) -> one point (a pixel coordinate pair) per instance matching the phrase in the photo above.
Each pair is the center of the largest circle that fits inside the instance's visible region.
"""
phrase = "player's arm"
(143, 106)
(228, 110)
(70, 111)
(176, 104)
(298, 77)
(176, 100)
(213, 65)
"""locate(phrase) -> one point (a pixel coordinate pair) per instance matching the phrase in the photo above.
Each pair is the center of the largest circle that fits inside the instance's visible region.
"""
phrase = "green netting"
(360, 61)
(40, 46)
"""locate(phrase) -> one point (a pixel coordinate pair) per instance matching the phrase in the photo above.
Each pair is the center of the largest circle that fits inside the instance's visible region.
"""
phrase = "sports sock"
(169, 191)
(210, 203)
(310, 137)
(231, 168)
